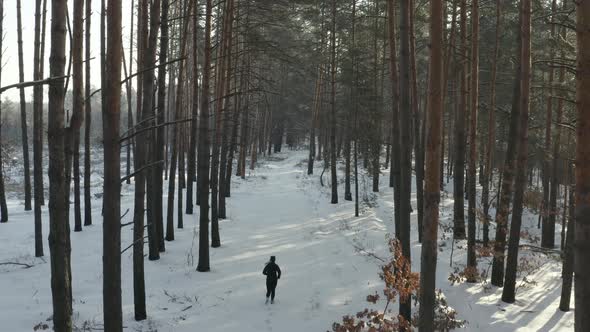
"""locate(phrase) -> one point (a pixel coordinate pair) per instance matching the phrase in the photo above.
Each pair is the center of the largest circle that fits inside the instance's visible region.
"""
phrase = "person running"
(273, 274)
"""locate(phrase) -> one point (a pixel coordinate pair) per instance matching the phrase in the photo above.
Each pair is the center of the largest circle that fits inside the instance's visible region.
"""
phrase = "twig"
(132, 244)
(25, 266)
(123, 179)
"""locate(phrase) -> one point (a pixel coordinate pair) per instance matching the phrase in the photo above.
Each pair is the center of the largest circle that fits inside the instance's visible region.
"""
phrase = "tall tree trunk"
(87, 125)
(394, 177)
(508, 293)
(3, 207)
(568, 257)
(58, 187)
(160, 139)
(507, 183)
(418, 151)
(113, 317)
(491, 142)
(192, 149)
(548, 122)
(334, 176)
(204, 144)
(37, 134)
(129, 85)
(433, 154)
(472, 170)
(77, 106)
(459, 169)
(582, 234)
(405, 155)
(23, 110)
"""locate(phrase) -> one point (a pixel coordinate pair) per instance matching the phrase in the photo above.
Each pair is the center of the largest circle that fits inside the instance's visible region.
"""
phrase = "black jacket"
(272, 271)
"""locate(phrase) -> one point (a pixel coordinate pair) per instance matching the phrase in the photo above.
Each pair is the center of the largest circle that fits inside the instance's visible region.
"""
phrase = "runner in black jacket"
(272, 273)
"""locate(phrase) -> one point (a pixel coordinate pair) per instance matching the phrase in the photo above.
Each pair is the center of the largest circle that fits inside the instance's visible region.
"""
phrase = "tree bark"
(568, 257)
(405, 155)
(491, 142)
(459, 169)
(88, 117)
(582, 234)
(507, 182)
(434, 115)
(58, 200)
(3, 207)
(23, 110)
(334, 177)
(37, 134)
(472, 170)
(203, 157)
(508, 293)
(113, 317)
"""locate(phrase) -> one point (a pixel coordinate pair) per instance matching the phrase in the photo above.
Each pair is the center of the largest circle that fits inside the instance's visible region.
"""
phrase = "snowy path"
(277, 210)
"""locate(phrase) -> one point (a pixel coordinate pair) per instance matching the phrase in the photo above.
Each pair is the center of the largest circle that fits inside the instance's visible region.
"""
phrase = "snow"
(277, 210)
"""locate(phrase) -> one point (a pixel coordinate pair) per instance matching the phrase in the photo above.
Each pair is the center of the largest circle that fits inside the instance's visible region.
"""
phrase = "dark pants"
(271, 285)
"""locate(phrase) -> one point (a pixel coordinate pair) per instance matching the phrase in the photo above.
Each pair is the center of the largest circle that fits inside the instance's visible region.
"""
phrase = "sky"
(10, 74)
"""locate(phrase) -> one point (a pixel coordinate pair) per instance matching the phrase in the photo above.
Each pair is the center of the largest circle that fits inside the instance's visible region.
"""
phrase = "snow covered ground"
(277, 210)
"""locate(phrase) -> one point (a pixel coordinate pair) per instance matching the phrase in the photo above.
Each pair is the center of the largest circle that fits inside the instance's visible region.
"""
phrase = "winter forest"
(377, 165)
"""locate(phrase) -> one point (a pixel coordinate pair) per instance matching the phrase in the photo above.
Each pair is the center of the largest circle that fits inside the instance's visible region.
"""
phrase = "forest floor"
(327, 256)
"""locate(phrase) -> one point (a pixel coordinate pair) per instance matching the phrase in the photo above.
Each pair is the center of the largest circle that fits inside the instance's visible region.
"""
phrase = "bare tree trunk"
(192, 149)
(508, 293)
(77, 107)
(160, 139)
(548, 121)
(113, 317)
(459, 170)
(203, 157)
(582, 234)
(3, 207)
(394, 177)
(507, 184)
(418, 151)
(37, 134)
(334, 177)
(472, 170)
(568, 259)
(88, 117)
(129, 85)
(405, 155)
(433, 154)
(491, 142)
(23, 110)
(58, 188)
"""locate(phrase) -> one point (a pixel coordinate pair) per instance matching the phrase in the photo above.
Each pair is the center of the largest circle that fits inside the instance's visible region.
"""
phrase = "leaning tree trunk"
(23, 110)
(58, 187)
(113, 317)
(433, 154)
(582, 234)
(508, 293)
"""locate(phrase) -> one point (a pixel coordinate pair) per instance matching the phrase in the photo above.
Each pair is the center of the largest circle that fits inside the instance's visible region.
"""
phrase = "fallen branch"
(25, 266)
